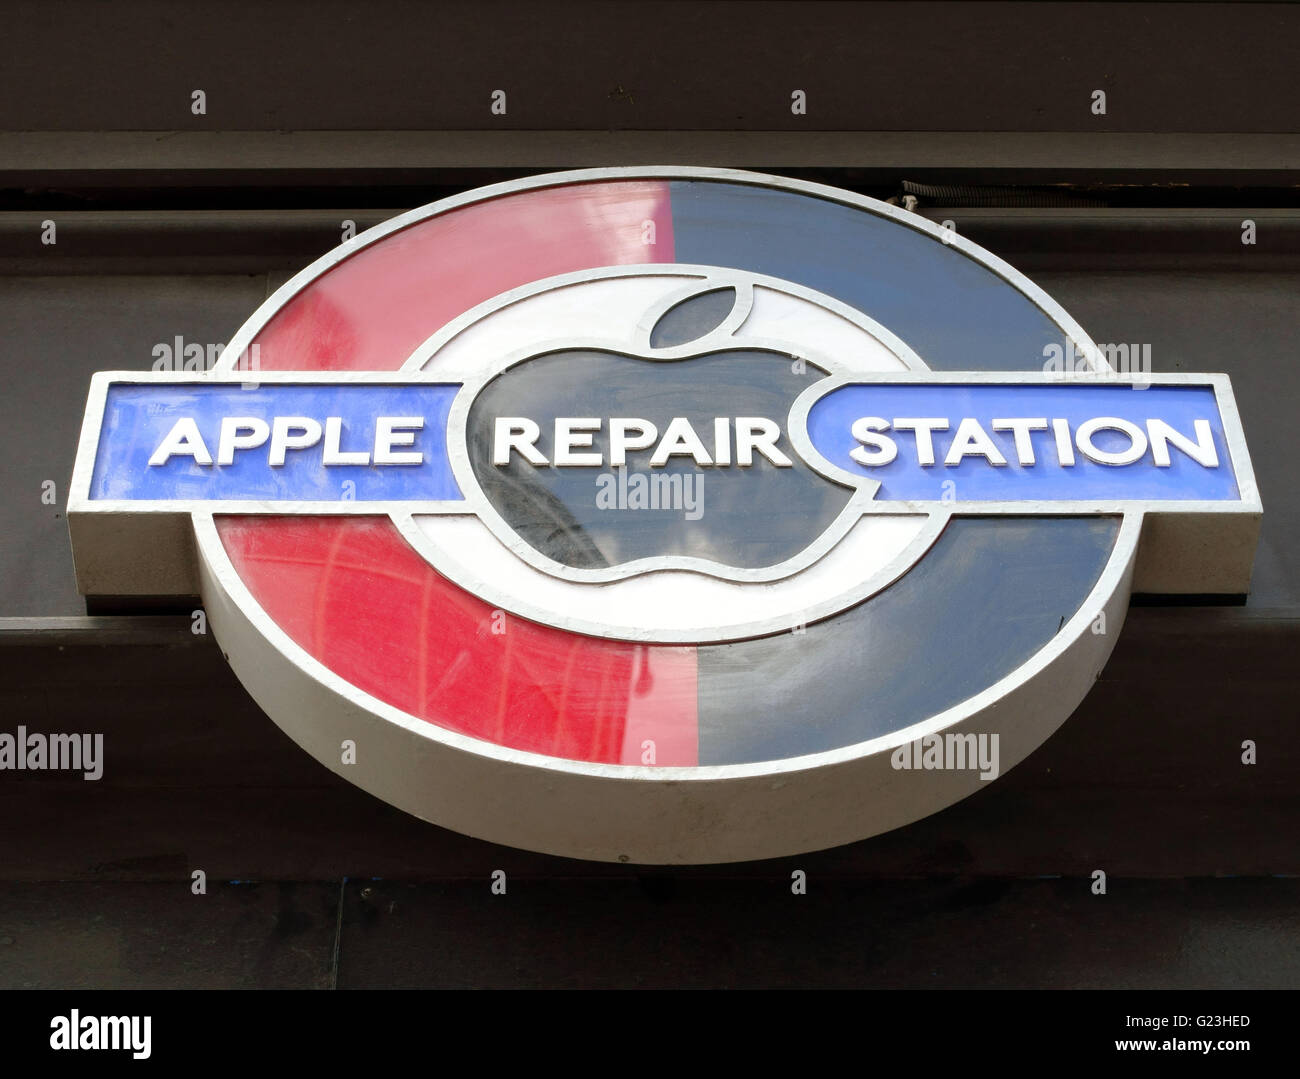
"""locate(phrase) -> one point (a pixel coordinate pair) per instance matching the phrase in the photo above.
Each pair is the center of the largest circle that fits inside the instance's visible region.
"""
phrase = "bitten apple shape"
(599, 457)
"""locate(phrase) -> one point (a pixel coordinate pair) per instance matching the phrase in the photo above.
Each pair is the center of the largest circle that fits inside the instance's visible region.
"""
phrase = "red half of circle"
(357, 597)
(372, 309)
(352, 592)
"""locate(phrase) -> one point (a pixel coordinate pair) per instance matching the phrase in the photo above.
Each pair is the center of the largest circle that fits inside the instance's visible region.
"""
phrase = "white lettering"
(755, 433)
(335, 456)
(1201, 451)
(391, 431)
(183, 440)
(972, 440)
(924, 429)
(680, 440)
(1020, 428)
(876, 449)
(572, 433)
(292, 433)
(1136, 436)
(516, 433)
(621, 440)
(240, 433)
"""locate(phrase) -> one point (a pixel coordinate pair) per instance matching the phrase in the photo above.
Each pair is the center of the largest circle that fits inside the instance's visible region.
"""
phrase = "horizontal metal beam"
(251, 241)
(34, 154)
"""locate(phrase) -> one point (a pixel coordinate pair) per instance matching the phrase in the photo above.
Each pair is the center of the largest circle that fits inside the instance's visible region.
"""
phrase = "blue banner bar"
(276, 442)
(1168, 443)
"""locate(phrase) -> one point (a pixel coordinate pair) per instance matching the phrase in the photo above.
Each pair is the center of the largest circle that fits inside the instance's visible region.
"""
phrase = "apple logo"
(694, 481)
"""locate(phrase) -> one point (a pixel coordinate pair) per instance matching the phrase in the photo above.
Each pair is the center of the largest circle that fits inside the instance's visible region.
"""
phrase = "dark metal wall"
(669, 65)
(171, 224)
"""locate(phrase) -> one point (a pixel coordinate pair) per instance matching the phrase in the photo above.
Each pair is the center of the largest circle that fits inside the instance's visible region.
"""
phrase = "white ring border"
(654, 814)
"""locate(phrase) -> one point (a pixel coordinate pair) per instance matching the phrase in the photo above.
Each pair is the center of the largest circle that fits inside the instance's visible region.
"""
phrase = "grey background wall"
(171, 224)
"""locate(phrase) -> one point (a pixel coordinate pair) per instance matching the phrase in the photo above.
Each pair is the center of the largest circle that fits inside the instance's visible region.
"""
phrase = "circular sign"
(672, 600)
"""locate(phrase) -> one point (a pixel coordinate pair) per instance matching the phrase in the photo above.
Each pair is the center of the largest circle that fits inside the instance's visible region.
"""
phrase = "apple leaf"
(692, 318)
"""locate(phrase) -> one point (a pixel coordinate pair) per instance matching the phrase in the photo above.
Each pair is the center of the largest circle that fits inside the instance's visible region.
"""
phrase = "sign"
(664, 516)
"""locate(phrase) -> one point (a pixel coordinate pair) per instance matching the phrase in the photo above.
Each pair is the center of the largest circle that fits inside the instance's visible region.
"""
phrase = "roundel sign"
(664, 515)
